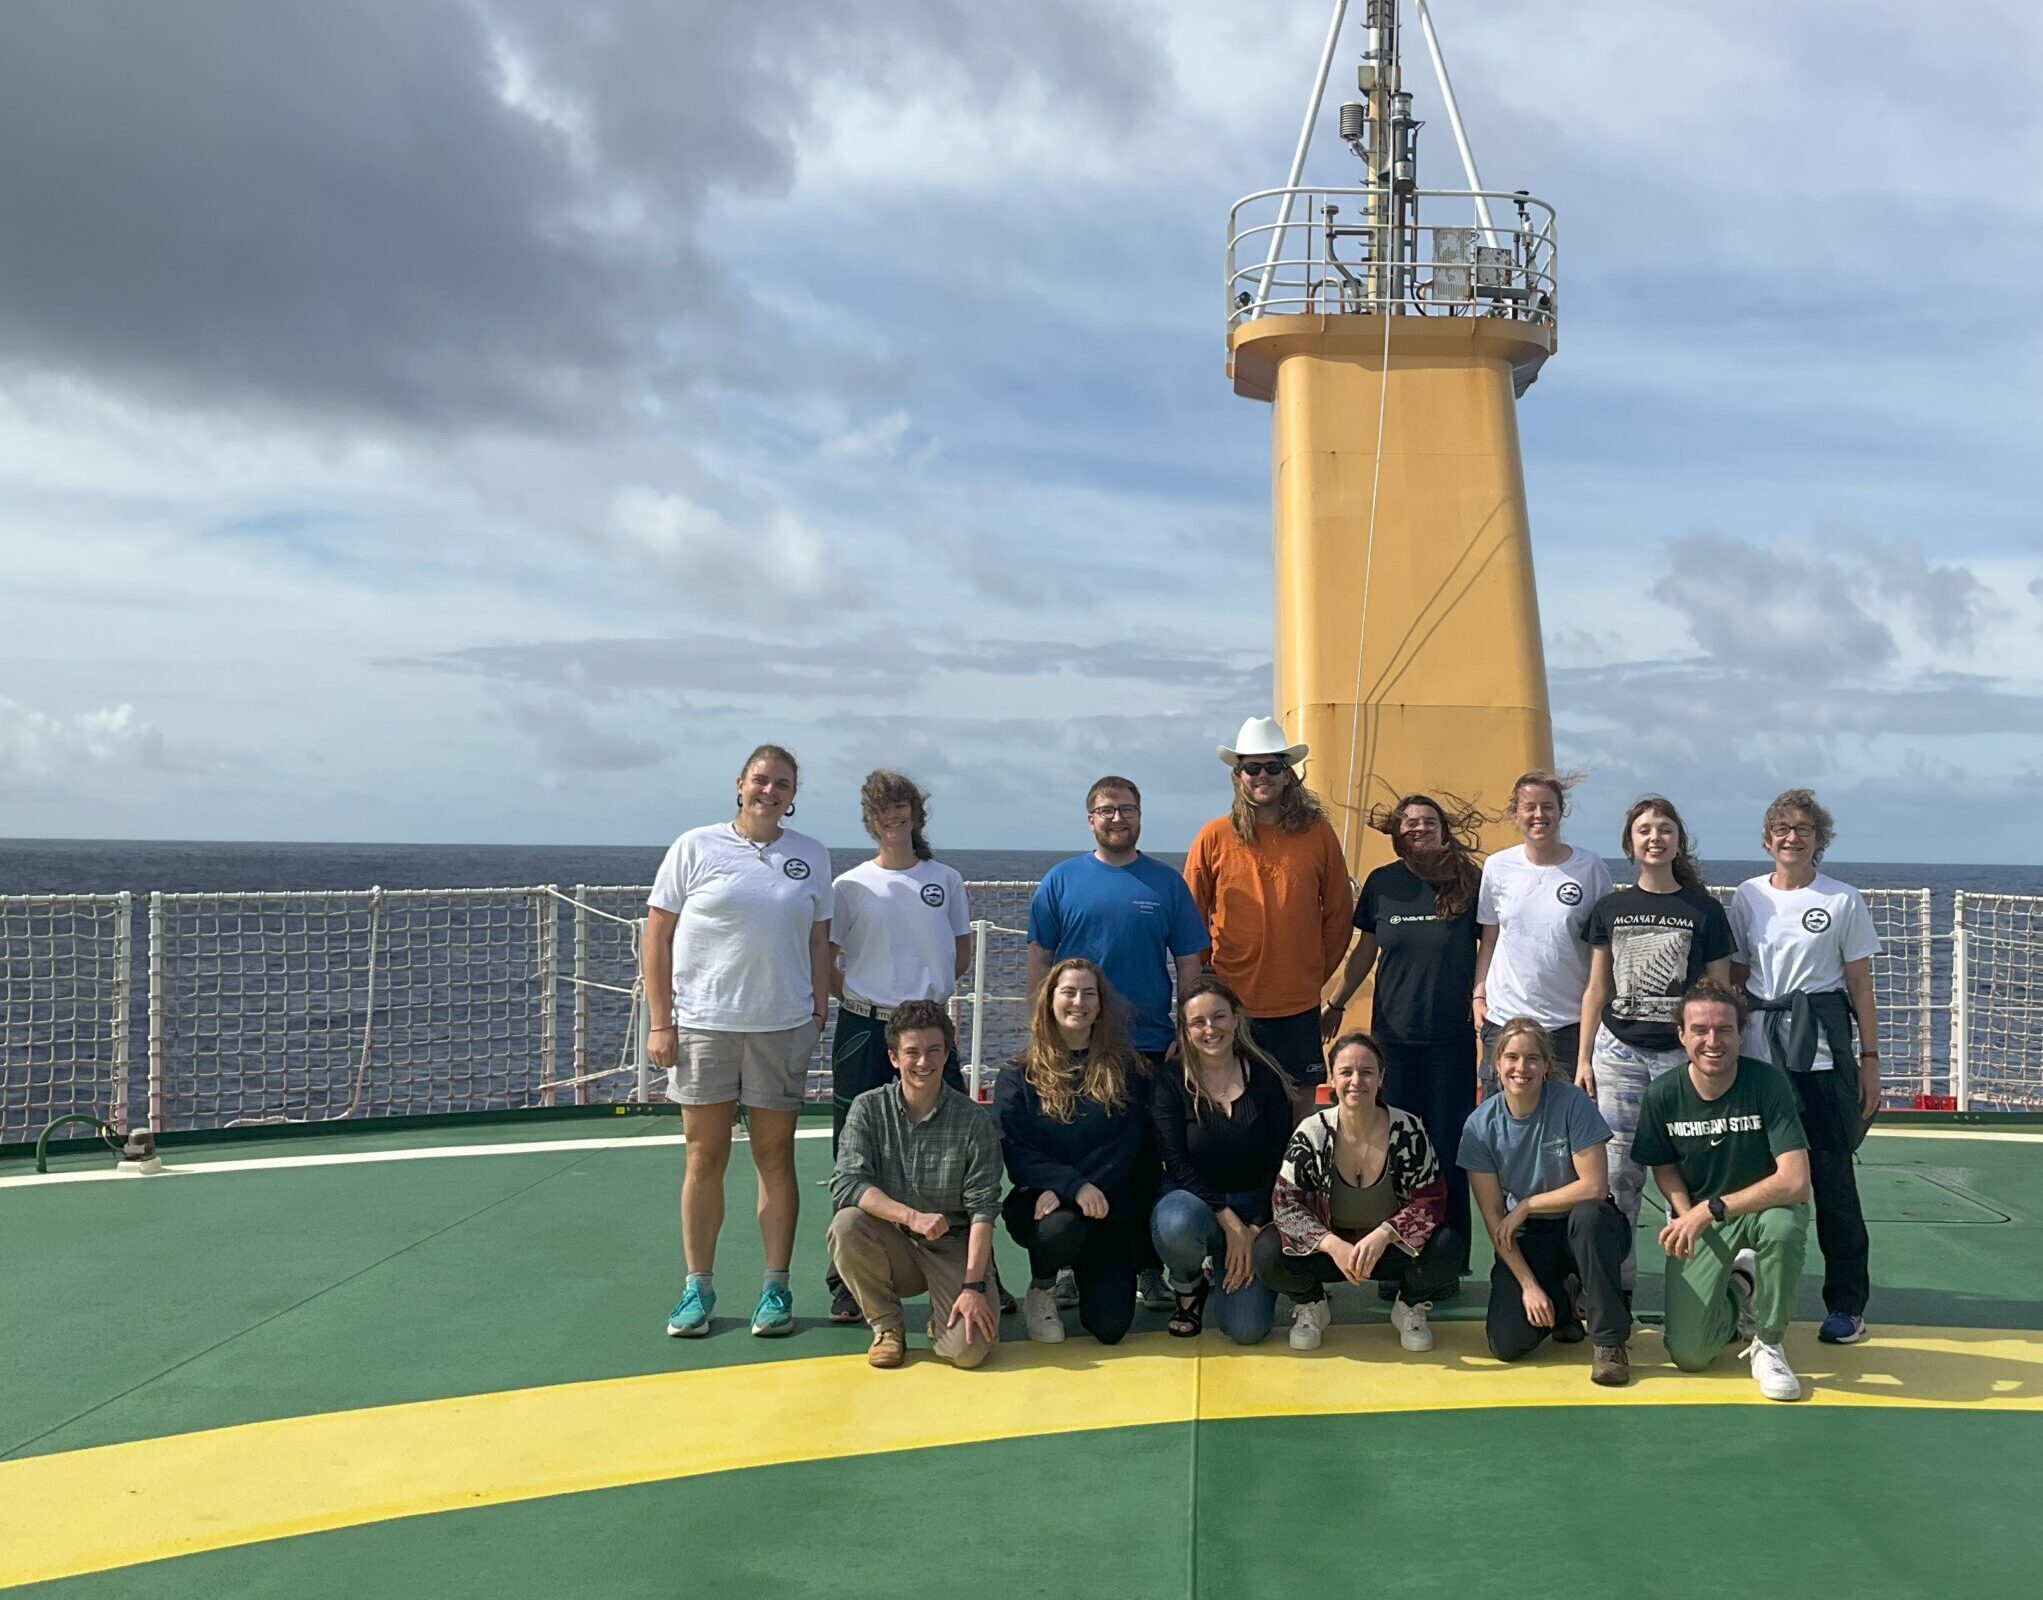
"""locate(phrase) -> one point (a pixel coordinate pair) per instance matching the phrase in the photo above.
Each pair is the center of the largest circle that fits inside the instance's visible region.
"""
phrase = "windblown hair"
(1460, 874)
(1557, 783)
(1245, 1047)
(1298, 808)
(1687, 872)
(1707, 991)
(884, 790)
(774, 752)
(921, 1016)
(1538, 1042)
(1356, 1036)
(1787, 803)
(1048, 1068)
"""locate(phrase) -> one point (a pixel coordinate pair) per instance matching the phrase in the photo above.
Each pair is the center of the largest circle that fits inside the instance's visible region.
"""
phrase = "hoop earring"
(790, 811)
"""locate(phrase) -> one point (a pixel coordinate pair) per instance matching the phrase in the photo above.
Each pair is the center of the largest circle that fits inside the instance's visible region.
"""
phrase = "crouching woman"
(1359, 1197)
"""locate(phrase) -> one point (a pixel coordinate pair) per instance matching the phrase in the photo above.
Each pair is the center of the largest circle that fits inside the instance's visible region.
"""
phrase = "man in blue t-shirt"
(1126, 912)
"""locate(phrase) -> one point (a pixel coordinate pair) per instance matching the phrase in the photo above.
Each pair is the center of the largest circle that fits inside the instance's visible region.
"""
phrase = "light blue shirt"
(1535, 1154)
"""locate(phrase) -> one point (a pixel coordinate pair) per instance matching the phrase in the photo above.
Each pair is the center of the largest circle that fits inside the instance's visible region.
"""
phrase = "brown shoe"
(889, 1349)
(1609, 1365)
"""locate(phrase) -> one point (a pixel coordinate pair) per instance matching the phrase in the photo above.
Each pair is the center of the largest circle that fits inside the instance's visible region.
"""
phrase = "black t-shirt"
(1659, 944)
(1425, 973)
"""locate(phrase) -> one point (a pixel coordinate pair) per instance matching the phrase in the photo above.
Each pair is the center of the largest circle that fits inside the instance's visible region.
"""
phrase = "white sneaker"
(1410, 1322)
(1039, 1316)
(1777, 1380)
(1309, 1319)
(1746, 1265)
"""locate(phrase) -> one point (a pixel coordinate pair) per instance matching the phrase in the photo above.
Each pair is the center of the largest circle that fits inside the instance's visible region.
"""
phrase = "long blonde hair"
(1244, 1047)
(1298, 808)
(1047, 1066)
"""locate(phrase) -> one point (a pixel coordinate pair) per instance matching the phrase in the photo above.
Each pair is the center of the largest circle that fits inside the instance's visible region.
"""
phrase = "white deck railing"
(307, 1007)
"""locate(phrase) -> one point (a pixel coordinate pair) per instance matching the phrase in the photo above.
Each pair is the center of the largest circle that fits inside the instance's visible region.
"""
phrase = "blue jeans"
(1185, 1232)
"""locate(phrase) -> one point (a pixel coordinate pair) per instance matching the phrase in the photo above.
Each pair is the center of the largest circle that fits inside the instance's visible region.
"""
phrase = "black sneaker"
(844, 1306)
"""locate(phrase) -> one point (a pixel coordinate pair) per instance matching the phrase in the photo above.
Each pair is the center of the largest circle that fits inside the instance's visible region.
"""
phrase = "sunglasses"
(1262, 769)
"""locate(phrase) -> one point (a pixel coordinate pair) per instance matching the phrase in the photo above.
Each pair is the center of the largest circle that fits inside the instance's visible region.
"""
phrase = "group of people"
(1193, 1125)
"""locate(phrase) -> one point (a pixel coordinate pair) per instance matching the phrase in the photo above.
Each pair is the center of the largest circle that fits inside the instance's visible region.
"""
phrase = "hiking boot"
(1610, 1365)
(889, 1349)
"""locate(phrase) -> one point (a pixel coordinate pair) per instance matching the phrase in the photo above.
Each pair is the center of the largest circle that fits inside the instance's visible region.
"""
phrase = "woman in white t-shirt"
(1531, 911)
(737, 981)
(899, 930)
(1805, 948)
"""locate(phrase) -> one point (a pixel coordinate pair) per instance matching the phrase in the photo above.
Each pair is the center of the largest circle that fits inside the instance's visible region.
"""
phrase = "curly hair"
(884, 790)
(1461, 872)
(1787, 803)
(1047, 1066)
(921, 1016)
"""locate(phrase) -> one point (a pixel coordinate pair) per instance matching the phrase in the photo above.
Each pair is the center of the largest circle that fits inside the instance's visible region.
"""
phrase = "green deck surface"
(141, 1308)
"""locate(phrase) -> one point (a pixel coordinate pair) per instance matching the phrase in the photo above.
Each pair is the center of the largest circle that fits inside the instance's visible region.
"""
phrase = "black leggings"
(1101, 1255)
(1590, 1241)
(1437, 1084)
(1433, 1271)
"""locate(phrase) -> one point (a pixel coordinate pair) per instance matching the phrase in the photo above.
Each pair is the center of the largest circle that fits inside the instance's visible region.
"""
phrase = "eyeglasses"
(1113, 813)
(1793, 830)
(1261, 769)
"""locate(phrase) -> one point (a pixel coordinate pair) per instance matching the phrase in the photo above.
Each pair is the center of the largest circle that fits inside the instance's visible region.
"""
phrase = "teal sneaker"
(690, 1319)
(774, 1316)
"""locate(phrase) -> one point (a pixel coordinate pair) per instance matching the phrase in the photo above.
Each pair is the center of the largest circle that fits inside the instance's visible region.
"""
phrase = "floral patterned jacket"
(1305, 1184)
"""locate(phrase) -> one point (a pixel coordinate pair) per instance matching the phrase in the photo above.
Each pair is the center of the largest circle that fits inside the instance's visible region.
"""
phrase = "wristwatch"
(977, 1286)
(1716, 1204)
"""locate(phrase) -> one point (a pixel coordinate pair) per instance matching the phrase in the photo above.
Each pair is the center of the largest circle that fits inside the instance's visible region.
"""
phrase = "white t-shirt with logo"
(1798, 940)
(897, 932)
(741, 944)
(1540, 966)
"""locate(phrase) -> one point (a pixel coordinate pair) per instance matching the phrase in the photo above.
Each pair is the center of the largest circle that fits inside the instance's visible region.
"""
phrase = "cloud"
(762, 567)
(569, 740)
(881, 436)
(41, 750)
(445, 216)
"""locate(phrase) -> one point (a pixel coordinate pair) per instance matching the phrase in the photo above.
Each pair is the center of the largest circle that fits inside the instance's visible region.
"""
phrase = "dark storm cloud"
(340, 208)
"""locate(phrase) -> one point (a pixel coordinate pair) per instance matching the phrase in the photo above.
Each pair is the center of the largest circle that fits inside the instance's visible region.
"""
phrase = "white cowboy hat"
(1262, 736)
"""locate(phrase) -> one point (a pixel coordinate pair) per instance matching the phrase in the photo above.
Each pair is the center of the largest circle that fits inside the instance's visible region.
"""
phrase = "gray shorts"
(768, 1071)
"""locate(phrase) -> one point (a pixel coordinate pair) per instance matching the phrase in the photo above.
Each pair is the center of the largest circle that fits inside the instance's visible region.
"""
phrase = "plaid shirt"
(949, 1162)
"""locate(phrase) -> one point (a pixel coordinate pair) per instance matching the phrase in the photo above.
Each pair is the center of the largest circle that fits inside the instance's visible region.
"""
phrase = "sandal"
(1188, 1317)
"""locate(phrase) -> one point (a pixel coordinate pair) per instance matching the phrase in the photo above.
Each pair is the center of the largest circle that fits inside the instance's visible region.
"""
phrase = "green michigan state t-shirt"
(1721, 1145)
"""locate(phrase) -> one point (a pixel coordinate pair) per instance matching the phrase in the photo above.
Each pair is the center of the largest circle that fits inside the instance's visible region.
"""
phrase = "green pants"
(1703, 1301)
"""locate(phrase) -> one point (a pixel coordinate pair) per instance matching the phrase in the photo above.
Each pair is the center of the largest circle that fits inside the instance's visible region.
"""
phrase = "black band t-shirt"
(1659, 944)
(1425, 971)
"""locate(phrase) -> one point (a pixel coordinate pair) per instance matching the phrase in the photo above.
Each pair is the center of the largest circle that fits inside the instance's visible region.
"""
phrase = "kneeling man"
(917, 1188)
(1724, 1140)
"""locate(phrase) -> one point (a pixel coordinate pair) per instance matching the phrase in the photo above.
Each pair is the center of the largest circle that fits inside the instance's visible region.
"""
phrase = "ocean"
(108, 866)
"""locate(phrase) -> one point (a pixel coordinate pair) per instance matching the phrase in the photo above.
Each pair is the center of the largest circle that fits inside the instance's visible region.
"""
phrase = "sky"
(485, 422)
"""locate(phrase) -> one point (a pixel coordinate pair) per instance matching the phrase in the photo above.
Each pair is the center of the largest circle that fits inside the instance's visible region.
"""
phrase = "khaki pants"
(882, 1266)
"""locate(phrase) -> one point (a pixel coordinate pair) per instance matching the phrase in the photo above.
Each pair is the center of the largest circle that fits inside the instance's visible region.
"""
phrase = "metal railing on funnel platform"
(1313, 252)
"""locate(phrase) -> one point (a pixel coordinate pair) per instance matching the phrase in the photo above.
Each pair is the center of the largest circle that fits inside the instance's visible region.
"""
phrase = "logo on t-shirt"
(1816, 919)
(932, 894)
(1569, 893)
(795, 867)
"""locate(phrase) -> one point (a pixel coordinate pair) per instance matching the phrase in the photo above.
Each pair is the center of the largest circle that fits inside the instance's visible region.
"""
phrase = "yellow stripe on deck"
(116, 1505)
